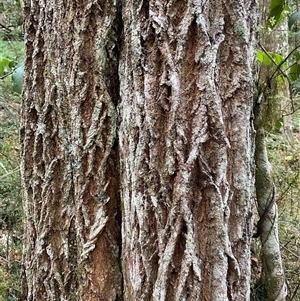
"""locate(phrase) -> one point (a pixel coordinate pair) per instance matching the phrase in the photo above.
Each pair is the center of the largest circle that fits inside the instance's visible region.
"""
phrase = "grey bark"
(272, 278)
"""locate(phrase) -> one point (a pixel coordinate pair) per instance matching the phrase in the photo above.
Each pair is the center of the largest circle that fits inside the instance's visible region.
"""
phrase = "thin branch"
(7, 74)
(281, 63)
(5, 27)
(298, 257)
(9, 173)
(295, 291)
(278, 69)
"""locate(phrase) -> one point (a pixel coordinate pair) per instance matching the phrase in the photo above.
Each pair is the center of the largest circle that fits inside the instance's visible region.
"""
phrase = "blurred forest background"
(11, 57)
(283, 138)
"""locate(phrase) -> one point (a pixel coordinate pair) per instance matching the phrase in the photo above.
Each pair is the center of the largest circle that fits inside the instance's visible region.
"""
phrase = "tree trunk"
(69, 155)
(186, 149)
(138, 153)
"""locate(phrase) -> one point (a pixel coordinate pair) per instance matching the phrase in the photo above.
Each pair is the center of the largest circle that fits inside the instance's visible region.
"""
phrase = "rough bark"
(186, 149)
(69, 157)
(182, 132)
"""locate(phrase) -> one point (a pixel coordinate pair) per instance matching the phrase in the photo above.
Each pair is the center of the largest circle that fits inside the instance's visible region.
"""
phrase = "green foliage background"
(12, 51)
(279, 93)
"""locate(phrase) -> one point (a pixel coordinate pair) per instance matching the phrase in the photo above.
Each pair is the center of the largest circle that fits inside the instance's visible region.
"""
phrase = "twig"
(5, 27)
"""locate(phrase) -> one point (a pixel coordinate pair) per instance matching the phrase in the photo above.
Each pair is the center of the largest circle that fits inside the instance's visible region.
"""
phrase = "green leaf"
(267, 61)
(263, 58)
(260, 55)
(278, 11)
(275, 16)
(297, 55)
(279, 123)
(280, 79)
(295, 71)
(17, 79)
(6, 65)
(293, 18)
(278, 58)
(266, 58)
(1, 69)
(275, 3)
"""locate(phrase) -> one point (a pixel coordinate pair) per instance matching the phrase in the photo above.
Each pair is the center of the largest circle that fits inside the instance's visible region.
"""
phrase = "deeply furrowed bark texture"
(186, 149)
(69, 157)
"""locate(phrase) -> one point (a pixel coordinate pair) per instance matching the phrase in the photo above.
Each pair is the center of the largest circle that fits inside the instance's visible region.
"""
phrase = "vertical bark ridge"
(236, 72)
(71, 197)
(186, 178)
